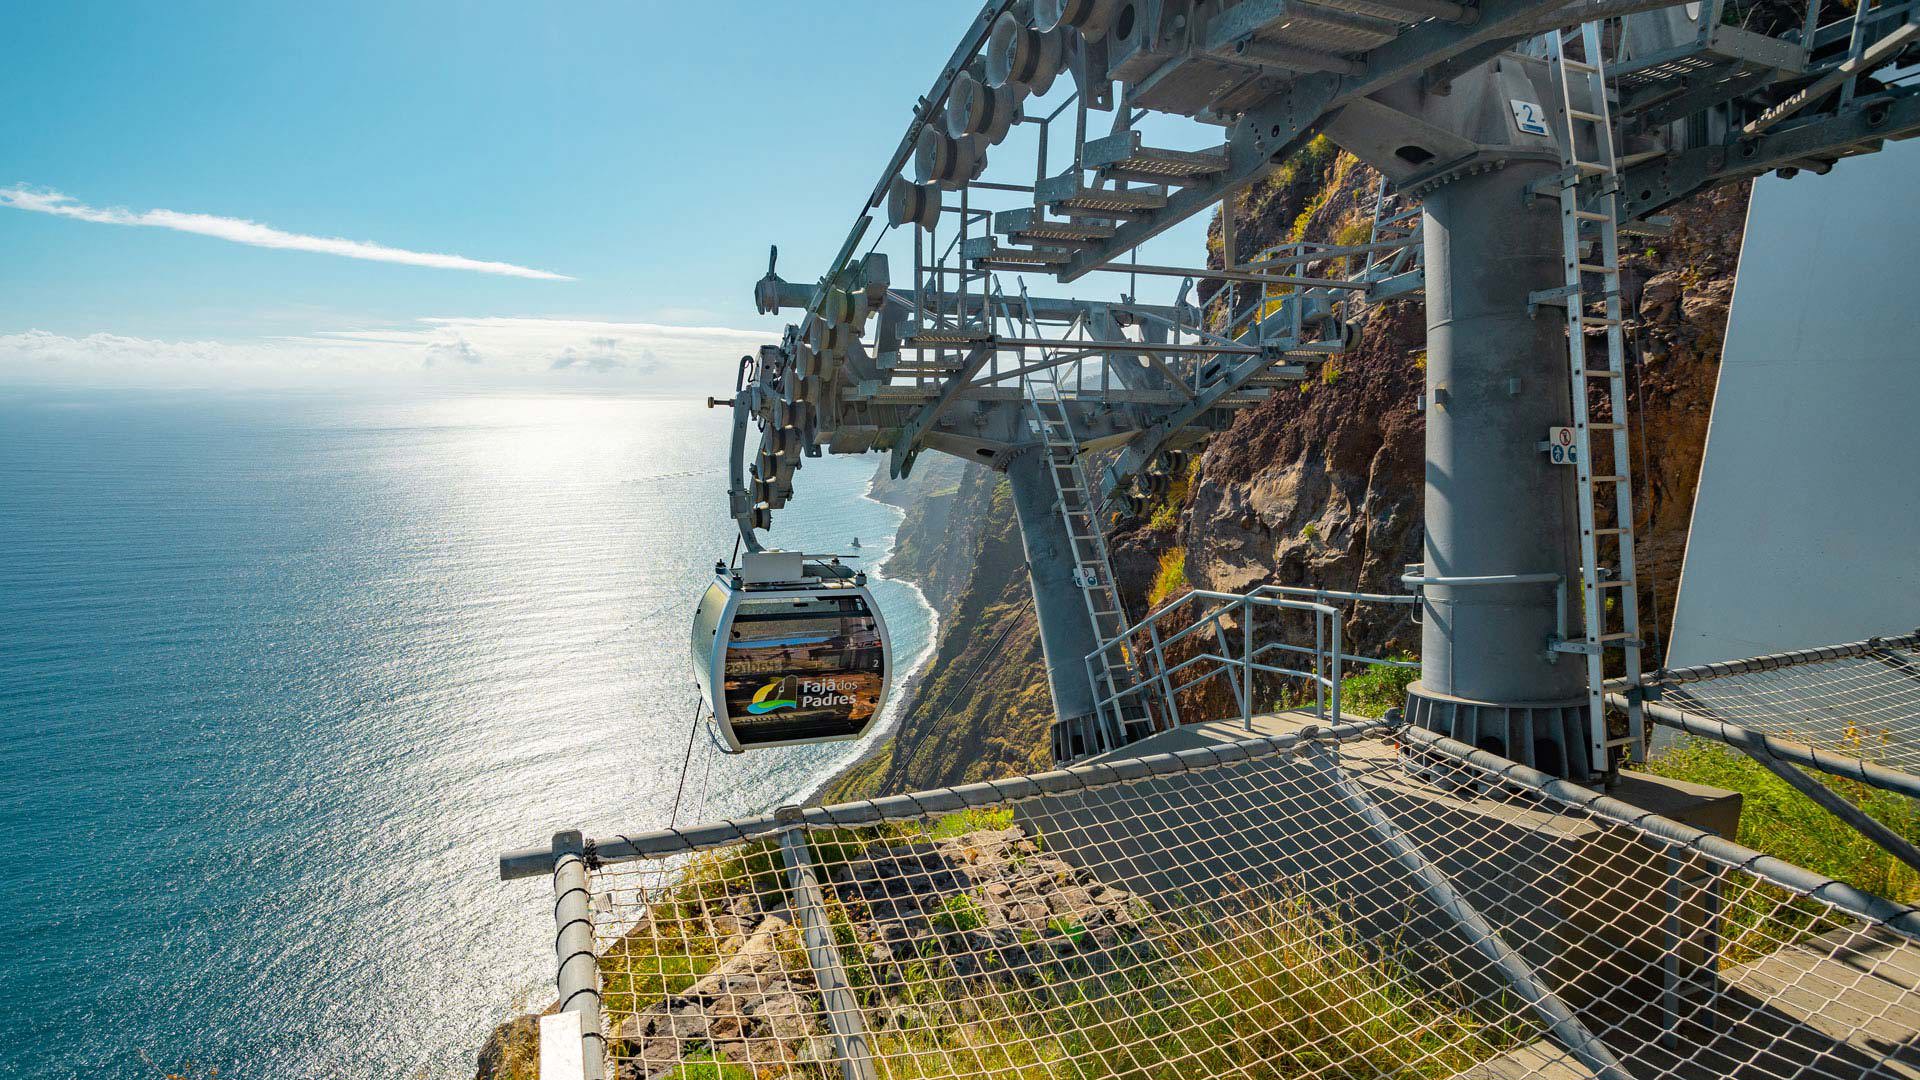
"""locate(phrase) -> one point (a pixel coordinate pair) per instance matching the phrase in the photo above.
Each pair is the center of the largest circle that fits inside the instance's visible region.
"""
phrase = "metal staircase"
(1589, 189)
(1119, 722)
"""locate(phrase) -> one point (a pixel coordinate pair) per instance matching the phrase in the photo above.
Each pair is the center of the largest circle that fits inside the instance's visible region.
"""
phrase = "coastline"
(907, 684)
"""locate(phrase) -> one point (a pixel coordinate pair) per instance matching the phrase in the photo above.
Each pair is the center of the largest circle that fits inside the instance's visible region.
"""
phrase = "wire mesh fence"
(1861, 700)
(1345, 902)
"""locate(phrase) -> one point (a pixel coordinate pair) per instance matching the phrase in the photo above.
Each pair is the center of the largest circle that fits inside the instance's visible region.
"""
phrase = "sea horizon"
(282, 671)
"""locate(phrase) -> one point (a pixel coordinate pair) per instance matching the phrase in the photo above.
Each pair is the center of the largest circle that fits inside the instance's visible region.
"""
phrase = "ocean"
(282, 674)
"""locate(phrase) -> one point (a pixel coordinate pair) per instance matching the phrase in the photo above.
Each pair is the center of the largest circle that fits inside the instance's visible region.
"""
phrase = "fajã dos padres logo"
(768, 699)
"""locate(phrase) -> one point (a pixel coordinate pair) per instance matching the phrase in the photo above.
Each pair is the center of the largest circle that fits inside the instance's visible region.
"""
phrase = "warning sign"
(1561, 448)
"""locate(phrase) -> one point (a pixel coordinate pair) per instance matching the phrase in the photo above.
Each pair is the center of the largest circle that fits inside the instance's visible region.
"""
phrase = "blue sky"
(647, 152)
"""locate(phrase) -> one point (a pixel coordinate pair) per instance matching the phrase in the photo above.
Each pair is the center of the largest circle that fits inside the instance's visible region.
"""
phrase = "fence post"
(578, 977)
(1160, 668)
(1339, 664)
(1319, 665)
(1246, 662)
(836, 997)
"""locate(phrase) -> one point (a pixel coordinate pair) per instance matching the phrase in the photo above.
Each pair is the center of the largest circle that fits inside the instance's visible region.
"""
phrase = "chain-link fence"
(1350, 901)
(1851, 711)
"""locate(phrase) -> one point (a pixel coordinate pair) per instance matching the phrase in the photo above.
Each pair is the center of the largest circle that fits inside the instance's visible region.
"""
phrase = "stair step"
(1069, 195)
(1028, 224)
(988, 248)
(1123, 156)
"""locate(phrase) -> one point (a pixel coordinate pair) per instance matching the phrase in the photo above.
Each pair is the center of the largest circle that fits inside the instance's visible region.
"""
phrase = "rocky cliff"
(981, 710)
(1318, 485)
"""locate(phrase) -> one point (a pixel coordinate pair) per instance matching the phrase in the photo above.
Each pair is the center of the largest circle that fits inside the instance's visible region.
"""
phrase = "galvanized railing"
(1204, 636)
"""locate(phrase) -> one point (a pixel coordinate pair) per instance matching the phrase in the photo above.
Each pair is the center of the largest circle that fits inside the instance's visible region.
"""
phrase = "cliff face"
(1321, 484)
(982, 709)
(937, 526)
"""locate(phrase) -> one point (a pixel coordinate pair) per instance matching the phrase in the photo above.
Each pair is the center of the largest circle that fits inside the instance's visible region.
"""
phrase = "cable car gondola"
(789, 651)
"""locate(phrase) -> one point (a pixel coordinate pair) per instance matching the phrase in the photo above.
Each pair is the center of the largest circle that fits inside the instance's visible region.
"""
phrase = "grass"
(959, 913)
(966, 821)
(1282, 988)
(1781, 822)
(702, 1065)
(1166, 512)
(1270, 984)
(1171, 579)
(1379, 688)
(1759, 918)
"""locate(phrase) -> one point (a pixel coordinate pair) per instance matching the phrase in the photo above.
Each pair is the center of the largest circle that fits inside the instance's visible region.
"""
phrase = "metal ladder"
(1589, 196)
(1120, 721)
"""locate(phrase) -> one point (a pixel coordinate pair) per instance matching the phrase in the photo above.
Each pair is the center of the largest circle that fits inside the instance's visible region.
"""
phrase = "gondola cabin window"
(802, 669)
(790, 662)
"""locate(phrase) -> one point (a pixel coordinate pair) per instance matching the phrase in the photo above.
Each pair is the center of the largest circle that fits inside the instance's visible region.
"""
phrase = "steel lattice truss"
(1707, 93)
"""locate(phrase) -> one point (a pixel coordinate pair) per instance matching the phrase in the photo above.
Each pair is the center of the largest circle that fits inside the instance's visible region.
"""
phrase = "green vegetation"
(1379, 688)
(1171, 579)
(1069, 929)
(1781, 822)
(966, 821)
(1355, 232)
(1276, 984)
(701, 1065)
(959, 913)
(1313, 159)
(1166, 510)
(1278, 989)
(1310, 531)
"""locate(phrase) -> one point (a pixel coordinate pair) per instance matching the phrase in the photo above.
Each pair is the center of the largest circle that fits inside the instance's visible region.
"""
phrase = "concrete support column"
(1066, 630)
(1497, 379)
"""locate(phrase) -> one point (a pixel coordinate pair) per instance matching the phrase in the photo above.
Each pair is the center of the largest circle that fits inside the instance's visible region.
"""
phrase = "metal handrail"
(1157, 675)
(1327, 630)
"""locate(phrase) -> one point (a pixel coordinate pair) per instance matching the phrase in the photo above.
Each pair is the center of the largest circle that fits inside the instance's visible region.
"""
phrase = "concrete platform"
(1832, 1006)
(1698, 805)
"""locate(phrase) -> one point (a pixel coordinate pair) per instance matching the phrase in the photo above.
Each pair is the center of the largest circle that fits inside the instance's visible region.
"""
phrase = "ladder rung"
(1592, 117)
(1616, 478)
(1595, 320)
(1601, 373)
(1576, 65)
(1606, 427)
(1598, 268)
(1620, 635)
(1614, 583)
(1591, 215)
(1591, 167)
(1610, 532)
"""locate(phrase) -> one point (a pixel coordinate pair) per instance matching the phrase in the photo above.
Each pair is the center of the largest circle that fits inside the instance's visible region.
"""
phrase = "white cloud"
(241, 231)
(644, 356)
